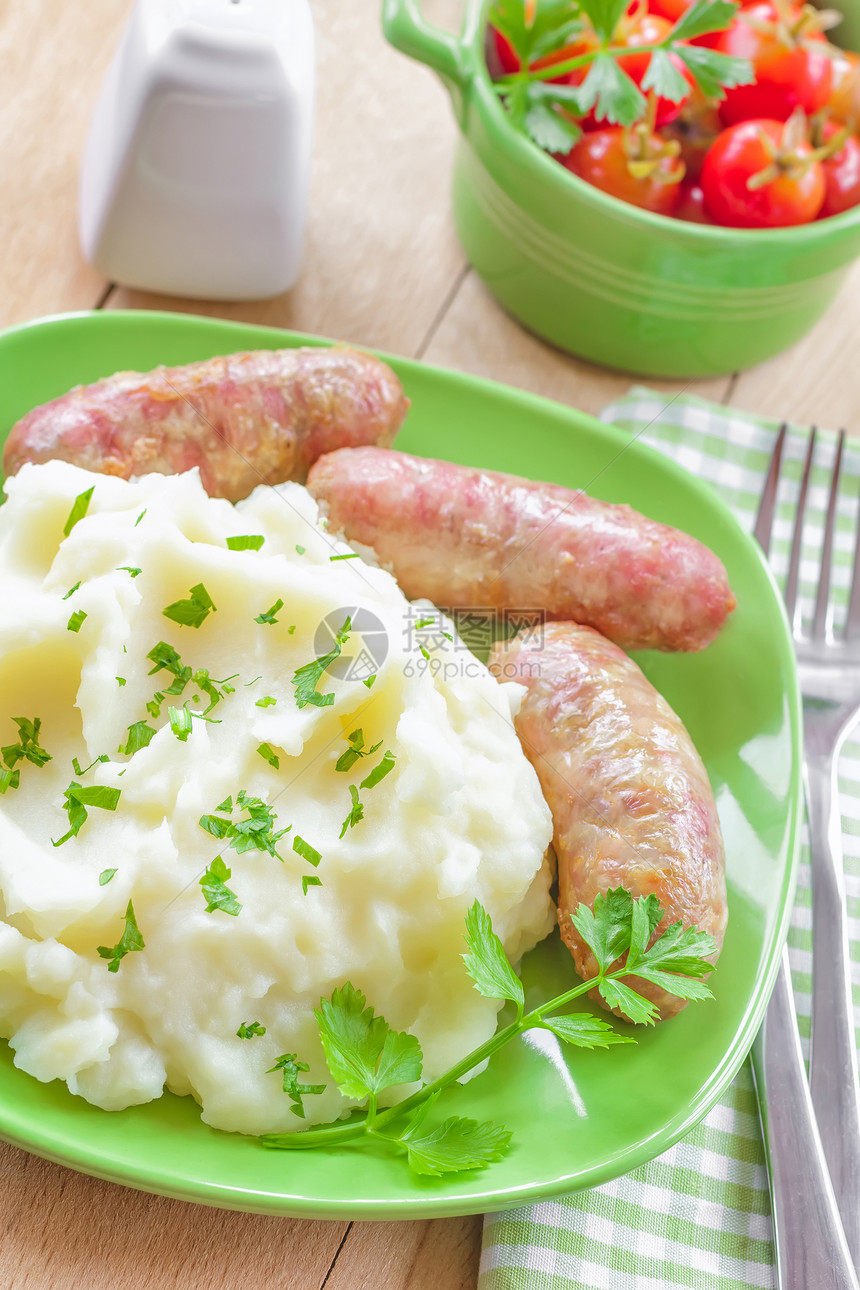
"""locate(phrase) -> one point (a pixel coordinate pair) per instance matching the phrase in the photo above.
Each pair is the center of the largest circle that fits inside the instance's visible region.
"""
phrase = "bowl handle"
(406, 29)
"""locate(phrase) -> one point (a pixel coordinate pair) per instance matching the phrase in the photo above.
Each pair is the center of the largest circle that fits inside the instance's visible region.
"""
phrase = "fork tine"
(797, 539)
(821, 621)
(852, 622)
(767, 505)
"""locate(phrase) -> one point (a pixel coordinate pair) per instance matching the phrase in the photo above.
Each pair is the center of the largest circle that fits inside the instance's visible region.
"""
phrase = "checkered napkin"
(698, 1217)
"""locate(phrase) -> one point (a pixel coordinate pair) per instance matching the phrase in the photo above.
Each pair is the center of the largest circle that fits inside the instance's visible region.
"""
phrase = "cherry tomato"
(841, 174)
(748, 151)
(691, 205)
(672, 10)
(791, 71)
(844, 102)
(603, 158)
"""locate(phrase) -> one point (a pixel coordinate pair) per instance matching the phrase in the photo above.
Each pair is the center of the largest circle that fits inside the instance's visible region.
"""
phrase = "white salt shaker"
(195, 173)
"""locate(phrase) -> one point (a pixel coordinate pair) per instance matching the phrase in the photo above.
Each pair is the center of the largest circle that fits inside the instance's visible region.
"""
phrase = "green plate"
(581, 1118)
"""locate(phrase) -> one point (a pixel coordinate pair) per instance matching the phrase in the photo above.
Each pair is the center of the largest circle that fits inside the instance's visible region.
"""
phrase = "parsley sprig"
(365, 1056)
(307, 678)
(547, 112)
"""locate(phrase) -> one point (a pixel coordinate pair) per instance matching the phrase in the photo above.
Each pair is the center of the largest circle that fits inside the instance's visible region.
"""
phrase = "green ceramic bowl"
(603, 279)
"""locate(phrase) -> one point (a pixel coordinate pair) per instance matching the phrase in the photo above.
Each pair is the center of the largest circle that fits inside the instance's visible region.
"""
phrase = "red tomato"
(691, 205)
(748, 150)
(603, 158)
(791, 70)
(669, 9)
(650, 30)
(844, 102)
(841, 175)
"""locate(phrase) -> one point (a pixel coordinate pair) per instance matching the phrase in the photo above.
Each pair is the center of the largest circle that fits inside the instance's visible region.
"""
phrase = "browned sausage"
(477, 539)
(630, 799)
(244, 420)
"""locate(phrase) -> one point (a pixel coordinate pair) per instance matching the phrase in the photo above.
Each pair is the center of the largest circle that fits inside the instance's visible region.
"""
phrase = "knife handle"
(811, 1250)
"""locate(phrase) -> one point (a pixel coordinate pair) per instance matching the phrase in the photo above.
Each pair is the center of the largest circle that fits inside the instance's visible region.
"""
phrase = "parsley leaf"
(607, 930)
(356, 749)
(306, 851)
(140, 735)
(130, 569)
(256, 833)
(28, 747)
(130, 940)
(612, 93)
(306, 678)
(80, 506)
(266, 702)
(71, 591)
(604, 16)
(664, 78)
(712, 70)
(269, 615)
(249, 1029)
(356, 812)
(105, 876)
(246, 542)
(9, 779)
(76, 765)
(194, 611)
(310, 880)
(585, 1031)
(180, 723)
(218, 894)
(269, 755)
(362, 1052)
(487, 963)
(291, 1067)
(76, 621)
(703, 16)
(379, 772)
(455, 1145)
(76, 801)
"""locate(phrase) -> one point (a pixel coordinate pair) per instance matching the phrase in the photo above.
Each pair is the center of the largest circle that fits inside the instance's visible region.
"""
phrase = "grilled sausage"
(246, 419)
(479, 539)
(630, 799)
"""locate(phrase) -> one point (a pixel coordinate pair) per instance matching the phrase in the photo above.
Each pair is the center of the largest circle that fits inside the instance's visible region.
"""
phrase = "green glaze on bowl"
(600, 278)
(579, 1118)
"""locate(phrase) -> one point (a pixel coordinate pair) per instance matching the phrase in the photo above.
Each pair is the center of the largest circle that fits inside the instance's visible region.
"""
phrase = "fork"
(829, 675)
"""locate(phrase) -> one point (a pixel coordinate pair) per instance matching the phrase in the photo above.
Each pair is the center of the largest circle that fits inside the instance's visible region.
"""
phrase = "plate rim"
(640, 1151)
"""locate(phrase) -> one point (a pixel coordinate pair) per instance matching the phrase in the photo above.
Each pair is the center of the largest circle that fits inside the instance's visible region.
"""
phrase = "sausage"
(630, 799)
(481, 540)
(244, 420)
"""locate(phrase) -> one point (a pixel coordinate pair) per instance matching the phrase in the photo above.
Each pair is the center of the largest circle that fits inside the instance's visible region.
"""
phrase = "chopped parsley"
(130, 940)
(140, 517)
(120, 680)
(292, 1068)
(9, 779)
(105, 876)
(249, 1029)
(76, 765)
(247, 542)
(356, 811)
(267, 702)
(80, 506)
(140, 735)
(256, 833)
(28, 747)
(180, 723)
(379, 772)
(76, 621)
(368, 680)
(269, 755)
(194, 611)
(71, 591)
(355, 750)
(218, 894)
(130, 569)
(165, 658)
(300, 549)
(351, 555)
(306, 851)
(76, 801)
(306, 678)
(269, 615)
(310, 880)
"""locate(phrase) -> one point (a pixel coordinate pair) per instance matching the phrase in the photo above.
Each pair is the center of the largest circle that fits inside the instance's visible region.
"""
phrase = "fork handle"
(833, 1055)
(811, 1250)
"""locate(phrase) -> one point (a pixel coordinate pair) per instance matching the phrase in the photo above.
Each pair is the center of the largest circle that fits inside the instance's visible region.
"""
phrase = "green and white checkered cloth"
(698, 1217)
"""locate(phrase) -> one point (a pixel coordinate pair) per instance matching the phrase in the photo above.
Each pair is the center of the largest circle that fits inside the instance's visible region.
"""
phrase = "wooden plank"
(53, 58)
(476, 335)
(381, 254)
(814, 382)
(66, 1231)
(442, 1254)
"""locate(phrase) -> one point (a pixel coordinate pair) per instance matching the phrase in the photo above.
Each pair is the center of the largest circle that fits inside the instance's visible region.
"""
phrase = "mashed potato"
(458, 816)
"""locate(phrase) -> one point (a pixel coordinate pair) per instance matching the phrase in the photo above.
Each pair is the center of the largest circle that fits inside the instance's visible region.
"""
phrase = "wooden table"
(382, 268)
